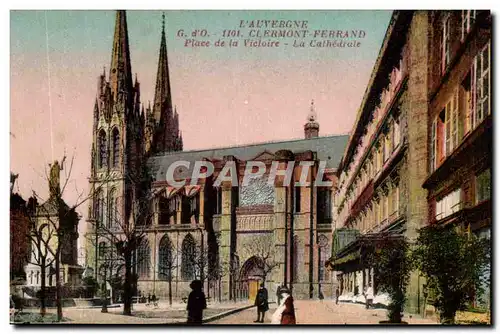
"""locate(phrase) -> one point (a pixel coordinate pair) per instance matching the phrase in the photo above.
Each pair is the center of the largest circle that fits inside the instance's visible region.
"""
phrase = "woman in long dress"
(285, 313)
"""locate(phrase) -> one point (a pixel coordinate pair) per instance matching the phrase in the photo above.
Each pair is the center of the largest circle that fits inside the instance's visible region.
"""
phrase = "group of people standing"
(284, 314)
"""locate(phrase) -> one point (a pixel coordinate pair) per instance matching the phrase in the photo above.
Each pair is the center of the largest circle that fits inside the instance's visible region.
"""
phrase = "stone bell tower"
(311, 128)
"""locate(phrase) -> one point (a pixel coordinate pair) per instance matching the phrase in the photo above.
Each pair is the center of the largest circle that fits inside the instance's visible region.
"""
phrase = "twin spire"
(120, 78)
(120, 73)
(163, 97)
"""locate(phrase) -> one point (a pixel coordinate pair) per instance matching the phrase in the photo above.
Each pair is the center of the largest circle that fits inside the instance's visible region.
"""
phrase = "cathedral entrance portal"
(251, 275)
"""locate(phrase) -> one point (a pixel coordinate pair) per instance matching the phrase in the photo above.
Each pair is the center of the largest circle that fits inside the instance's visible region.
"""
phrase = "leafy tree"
(389, 256)
(454, 262)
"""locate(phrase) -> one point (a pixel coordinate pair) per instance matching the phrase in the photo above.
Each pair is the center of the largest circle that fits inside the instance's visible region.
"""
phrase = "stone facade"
(428, 57)
(230, 236)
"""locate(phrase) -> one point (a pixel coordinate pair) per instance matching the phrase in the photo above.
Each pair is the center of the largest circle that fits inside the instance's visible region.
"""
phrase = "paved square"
(322, 312)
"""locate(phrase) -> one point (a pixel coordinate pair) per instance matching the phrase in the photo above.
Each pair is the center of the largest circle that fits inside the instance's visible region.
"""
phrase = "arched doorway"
(251, 274)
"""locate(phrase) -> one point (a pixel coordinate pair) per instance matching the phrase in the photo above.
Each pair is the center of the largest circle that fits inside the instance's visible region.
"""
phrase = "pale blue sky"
(224, 96)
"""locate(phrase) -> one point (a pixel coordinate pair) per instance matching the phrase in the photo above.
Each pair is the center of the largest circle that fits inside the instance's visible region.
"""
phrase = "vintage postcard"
(269, 167)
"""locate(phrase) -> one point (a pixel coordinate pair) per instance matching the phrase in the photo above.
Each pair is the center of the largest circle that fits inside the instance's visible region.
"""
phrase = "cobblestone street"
(306, 311)
(325, 312)
(141, 314)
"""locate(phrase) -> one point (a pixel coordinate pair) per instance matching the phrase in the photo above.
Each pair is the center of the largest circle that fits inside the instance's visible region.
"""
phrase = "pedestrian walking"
(337, 295)
(278, 294)
(321, 296)
(261, 301)
(369, 297)
(196, 303)
(285, 313)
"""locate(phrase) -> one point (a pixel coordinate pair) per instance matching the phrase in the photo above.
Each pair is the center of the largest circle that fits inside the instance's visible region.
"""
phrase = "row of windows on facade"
(468, 18)
(35, 277)
(188, 260)
(189, 208)
(453, 201)
(466, 109)
(377, 212)
(379, 113)
(324, 202)
(108, 215)
(386, 143)
(382, 151)
(103, 149)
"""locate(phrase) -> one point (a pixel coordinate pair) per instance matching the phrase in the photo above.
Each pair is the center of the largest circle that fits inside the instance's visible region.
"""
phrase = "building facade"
(420, 150)
(229, 235)
(460, 124)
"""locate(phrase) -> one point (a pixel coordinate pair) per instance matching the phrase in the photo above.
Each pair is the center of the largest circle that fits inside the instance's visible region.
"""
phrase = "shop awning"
(352, 252)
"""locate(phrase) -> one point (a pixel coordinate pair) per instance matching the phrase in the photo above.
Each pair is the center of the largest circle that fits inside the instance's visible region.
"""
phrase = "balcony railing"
(388, 96)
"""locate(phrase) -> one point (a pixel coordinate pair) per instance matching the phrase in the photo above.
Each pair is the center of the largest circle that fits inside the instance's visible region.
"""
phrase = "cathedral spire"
(163, 98)
(120, 75)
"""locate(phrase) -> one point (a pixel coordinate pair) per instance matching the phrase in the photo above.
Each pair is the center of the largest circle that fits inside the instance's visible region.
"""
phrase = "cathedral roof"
(327, 148)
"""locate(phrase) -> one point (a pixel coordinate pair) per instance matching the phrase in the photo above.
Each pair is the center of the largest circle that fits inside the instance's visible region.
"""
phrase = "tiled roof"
(328, 148)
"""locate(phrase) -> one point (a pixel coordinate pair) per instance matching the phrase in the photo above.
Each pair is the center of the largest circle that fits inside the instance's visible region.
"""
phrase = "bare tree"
(168, 262)
(52, 225)
(40, 236)
(127, 233)
(262, 248)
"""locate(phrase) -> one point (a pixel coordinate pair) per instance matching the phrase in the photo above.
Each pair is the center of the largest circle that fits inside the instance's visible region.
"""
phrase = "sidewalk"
(327, 312)
(324, 312)
(142, 314)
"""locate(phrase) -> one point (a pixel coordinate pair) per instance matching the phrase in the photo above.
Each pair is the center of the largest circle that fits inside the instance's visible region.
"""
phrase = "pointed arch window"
(99, 213)
(102, 249)
(103, 149)
(143, 259)
(116, 147)
(112, 209)
(165, 262)
(188, 258)
(168, 210)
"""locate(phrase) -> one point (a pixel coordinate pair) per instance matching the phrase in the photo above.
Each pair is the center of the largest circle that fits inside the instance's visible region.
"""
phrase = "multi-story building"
(420, 150)
(460, 123)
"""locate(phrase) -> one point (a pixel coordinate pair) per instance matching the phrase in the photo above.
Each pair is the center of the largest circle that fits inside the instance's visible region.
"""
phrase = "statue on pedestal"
(55, 177)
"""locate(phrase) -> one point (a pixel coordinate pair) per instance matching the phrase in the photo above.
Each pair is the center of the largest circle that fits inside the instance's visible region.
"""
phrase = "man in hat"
(262, 303)
(196, 303)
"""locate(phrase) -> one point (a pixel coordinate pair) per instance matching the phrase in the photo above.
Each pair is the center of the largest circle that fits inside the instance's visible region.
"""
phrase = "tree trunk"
(448, 317)
(127, 286)
(104, 297)
(58, 288)
(43, 308)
